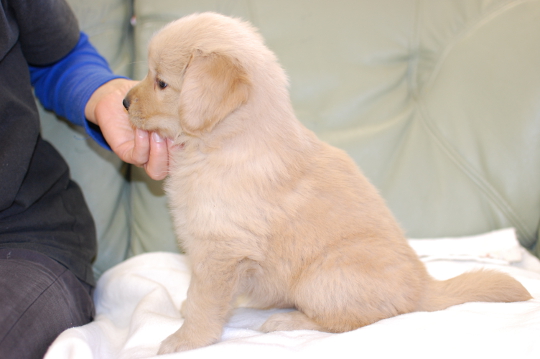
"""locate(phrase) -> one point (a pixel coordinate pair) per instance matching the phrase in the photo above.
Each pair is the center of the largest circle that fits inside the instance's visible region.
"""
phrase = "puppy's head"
(195, 78)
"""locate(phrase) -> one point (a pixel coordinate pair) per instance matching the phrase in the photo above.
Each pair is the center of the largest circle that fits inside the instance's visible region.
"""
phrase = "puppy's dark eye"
(162, 84)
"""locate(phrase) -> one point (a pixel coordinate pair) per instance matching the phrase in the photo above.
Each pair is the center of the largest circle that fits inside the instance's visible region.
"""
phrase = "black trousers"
(39, 298)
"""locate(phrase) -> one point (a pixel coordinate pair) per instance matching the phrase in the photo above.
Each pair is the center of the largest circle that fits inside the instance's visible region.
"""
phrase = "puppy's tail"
(476, 286)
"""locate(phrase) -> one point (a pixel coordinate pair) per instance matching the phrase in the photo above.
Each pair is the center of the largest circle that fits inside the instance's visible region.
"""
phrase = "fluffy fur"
(265, 209)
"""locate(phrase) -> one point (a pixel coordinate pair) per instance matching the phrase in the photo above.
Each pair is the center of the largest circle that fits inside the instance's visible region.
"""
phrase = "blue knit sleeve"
(66, 86)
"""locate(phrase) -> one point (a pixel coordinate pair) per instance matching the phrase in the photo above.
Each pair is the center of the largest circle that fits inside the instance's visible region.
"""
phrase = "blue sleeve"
(66, 86)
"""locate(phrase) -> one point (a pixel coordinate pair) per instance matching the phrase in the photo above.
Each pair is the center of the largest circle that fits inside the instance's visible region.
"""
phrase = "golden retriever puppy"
(265, 209)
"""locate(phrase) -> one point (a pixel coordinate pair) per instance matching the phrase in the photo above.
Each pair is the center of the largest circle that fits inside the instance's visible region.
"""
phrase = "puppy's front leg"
(207, 307)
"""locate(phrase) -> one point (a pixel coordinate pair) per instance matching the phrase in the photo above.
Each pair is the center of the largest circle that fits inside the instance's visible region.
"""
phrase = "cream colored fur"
(264, 208)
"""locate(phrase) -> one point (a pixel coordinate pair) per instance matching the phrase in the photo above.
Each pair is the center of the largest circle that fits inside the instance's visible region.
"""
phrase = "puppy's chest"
(208, 200)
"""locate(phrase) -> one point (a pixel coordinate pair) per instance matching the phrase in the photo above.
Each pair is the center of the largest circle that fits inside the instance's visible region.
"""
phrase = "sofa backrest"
(437, 101)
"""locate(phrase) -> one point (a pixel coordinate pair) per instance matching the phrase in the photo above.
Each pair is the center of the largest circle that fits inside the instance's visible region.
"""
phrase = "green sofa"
(438, 102)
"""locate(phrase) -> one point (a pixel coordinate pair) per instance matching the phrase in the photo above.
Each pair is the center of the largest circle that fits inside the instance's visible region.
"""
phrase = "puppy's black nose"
(126, 103)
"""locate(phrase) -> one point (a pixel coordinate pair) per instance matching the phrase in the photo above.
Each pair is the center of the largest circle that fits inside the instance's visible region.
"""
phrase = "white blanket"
(137, 307)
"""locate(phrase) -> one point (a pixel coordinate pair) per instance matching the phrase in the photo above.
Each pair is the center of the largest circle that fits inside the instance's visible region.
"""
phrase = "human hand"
(135, 146)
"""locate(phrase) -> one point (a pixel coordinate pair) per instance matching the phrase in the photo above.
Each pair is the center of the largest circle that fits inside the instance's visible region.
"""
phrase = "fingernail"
(157, 137)
(141, 133)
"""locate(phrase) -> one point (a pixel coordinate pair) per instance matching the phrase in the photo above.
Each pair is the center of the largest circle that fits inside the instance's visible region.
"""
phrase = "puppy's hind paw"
(295, 320)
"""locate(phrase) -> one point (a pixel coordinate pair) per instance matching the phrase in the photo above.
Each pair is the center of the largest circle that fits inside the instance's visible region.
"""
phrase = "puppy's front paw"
(183, 340)
(173, 344)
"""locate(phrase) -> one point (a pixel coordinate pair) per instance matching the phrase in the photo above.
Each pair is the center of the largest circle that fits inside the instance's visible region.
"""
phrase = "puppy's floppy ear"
(214, 86)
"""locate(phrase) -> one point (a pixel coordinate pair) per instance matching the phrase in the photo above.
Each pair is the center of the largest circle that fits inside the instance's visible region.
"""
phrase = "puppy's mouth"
(150, 121)
(136, 120)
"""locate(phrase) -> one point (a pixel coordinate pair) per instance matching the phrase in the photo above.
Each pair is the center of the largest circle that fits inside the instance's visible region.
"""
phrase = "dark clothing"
(51, 300)
(47, 235)
(41, 209)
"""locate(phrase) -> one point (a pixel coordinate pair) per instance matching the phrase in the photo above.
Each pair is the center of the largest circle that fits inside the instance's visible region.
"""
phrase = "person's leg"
(39, 298)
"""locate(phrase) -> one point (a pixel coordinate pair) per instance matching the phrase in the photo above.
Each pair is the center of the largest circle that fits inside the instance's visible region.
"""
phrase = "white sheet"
(137, 307)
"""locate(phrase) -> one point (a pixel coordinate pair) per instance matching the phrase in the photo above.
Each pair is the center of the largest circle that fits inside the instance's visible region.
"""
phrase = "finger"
(158, 161)
(141, 148)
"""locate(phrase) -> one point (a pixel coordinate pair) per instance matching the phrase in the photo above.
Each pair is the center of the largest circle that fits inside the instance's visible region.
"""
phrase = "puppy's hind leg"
(348, 288)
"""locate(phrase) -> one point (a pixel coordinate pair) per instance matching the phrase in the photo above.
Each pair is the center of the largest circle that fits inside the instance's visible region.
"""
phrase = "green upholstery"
(437, 101)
